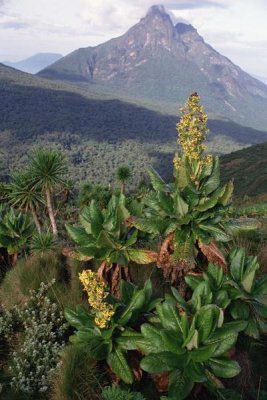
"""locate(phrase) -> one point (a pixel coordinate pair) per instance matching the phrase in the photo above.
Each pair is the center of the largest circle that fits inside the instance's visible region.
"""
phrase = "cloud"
(194, 4)
(13, 25)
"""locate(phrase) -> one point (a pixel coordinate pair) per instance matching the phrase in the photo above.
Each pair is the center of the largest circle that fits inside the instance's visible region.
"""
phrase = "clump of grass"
(78, 377)
(117, 393)
(30, 272)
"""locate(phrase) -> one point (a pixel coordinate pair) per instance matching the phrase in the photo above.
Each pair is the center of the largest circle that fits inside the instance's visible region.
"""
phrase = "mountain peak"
(184, 28)
(156, 10)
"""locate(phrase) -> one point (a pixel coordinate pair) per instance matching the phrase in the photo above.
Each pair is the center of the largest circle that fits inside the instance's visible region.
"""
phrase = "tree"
(47, 169)
(25, 196)
(123, 174)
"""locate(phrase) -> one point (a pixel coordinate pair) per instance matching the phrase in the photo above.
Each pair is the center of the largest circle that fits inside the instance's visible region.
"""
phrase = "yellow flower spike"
(96, 292)
(192, 129)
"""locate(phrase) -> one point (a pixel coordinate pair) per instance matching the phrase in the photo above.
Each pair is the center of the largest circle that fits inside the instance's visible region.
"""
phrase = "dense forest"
(96, 133)
(148, 291)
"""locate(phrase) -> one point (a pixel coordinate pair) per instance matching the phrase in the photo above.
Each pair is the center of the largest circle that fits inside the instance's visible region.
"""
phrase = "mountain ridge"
(156, 60)
(34, 63)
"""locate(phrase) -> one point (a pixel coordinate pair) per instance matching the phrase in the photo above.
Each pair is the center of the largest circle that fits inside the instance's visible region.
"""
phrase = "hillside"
(35, 63)
(155, 61)
(248, 167)
(97, 134)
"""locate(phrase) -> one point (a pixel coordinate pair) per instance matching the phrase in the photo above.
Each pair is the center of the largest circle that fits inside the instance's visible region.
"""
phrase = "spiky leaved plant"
(15, 231)
(190, 213)
(123, 174)
(47, 169)
(26, 197)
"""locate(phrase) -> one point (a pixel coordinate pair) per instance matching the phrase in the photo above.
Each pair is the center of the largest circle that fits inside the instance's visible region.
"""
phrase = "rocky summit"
(156, 62)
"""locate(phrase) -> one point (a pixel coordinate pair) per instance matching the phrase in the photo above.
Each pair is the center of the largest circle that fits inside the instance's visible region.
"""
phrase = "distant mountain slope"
(157, 61)
(35, 63)
(96, 133)
(248, 167)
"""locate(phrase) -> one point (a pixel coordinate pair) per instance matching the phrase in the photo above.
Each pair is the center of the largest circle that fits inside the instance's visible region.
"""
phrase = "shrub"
(43, 333)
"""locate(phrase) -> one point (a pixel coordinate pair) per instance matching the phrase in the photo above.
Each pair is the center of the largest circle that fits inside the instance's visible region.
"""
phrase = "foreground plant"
(106, 236)
(43, 330)
(107, 328)
(192, 349)
(239, 290)
(191, 212)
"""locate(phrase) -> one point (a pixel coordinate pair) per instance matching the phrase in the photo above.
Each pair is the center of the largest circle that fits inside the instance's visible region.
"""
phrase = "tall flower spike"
(95, 288)
(192, 128)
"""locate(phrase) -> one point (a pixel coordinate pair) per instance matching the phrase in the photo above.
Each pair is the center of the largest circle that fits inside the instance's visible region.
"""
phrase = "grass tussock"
(78, 378)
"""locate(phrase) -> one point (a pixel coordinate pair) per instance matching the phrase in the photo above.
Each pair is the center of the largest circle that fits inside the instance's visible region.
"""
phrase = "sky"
(235, 28)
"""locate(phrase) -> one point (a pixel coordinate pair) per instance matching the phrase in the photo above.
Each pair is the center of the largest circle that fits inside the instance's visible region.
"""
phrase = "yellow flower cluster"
(192, 128)
(96, 291)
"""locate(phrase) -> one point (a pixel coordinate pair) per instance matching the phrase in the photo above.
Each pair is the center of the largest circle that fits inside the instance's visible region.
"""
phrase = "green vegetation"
(248, 168)
(192, 324)
(96, 132)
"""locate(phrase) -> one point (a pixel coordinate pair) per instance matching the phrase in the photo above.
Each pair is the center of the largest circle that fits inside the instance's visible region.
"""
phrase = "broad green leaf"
(142, 256)
(252, 329)
(126, 291)
(137, 302)
(222, 341)
(202, 295)
(207, 321)
(225, 198)
(213, 181)
(132, 239)
(180, 385)
(248, 281)
(223, 367)
(215, 275)
(119, 365)
(203, 353)
(157, 182)
(96, 219)
(128, 339)
(96, 346)
(78, 235)
(106, 240)
(88, 251)
(169, 316)
(237, 263)
(161, 362)
(79, 318)
(260, 286)
(180, 206)
(119, 257)
(217, 233)
(240, 310)
(193, 281)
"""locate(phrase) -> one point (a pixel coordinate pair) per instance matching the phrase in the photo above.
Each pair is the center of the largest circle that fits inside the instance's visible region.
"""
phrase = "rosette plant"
(107, 328)
(191, 212)
(15, 231)
(240, 291)
(191, 348)
(105, 235)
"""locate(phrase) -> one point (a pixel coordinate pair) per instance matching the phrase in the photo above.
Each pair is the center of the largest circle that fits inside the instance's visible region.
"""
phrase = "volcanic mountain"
(157, 62)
